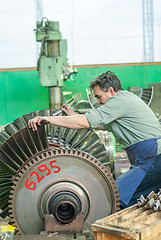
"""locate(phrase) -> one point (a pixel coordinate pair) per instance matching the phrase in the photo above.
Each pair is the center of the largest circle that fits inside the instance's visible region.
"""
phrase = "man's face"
(102, 97)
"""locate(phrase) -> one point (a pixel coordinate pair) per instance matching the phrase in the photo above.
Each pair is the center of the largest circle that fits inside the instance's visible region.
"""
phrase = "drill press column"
(52, 60)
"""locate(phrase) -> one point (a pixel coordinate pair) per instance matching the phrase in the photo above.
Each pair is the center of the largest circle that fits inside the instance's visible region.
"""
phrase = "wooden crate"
(131, 223)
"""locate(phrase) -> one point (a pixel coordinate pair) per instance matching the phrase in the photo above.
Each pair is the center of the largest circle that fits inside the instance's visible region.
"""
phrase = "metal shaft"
(55, 97)
(55, 93)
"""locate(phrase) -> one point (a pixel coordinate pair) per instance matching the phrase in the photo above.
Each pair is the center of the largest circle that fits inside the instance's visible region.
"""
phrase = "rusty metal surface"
(152, 201)
(52, 225)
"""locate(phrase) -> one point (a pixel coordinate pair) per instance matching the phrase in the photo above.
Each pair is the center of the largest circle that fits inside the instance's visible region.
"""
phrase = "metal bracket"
(52, 225)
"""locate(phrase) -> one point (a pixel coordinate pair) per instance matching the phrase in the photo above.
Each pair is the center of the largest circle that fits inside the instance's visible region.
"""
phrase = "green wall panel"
(3, 104)
(130, 75)
(152, 74)
(21, 92)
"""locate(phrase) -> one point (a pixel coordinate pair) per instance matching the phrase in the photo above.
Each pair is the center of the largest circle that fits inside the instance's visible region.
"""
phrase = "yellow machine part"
(6, 228)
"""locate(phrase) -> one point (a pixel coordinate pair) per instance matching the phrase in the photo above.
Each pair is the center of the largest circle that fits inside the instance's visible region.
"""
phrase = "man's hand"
(67, 110)
(32, 123)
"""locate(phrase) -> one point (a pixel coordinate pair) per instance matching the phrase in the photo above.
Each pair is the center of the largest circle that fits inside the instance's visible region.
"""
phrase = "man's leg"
(151, 182)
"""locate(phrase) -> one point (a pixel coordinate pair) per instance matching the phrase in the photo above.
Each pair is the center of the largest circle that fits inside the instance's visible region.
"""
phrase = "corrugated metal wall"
(21, 92)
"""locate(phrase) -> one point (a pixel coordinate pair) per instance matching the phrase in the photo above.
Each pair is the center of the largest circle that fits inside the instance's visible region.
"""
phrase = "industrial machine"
(54, 180)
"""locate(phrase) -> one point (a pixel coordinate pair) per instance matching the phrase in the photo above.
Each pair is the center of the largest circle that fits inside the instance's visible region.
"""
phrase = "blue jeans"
(144, 173)
(151, 182)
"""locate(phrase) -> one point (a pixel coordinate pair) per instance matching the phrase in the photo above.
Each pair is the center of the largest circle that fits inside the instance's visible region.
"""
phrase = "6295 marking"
(31, 185)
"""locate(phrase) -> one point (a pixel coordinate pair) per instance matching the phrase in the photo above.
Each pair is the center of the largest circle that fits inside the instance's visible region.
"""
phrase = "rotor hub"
(64, 207)
(64, 201)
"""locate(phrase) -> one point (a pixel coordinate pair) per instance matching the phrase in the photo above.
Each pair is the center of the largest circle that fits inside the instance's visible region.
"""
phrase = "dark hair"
(106, 80)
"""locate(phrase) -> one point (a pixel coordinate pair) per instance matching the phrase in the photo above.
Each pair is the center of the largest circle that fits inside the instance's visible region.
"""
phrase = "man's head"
(105, 86)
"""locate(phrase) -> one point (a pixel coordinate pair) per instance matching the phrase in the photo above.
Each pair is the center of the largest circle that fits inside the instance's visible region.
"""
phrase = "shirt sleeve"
(94, 118)
(106, 113)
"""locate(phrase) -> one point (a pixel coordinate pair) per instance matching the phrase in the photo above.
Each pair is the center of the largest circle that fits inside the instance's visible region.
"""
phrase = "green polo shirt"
(128, 118)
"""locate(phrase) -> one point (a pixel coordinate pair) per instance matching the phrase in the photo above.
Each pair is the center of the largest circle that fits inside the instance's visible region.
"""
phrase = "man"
(133, 124)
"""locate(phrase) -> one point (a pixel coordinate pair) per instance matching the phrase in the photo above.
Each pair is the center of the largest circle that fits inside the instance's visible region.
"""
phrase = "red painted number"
(43, 168)
(31, 185)
(37, 175)
(52, 166)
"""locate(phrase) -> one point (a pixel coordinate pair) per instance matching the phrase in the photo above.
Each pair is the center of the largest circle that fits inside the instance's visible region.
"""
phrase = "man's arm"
(78, 121)
(70, 112)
